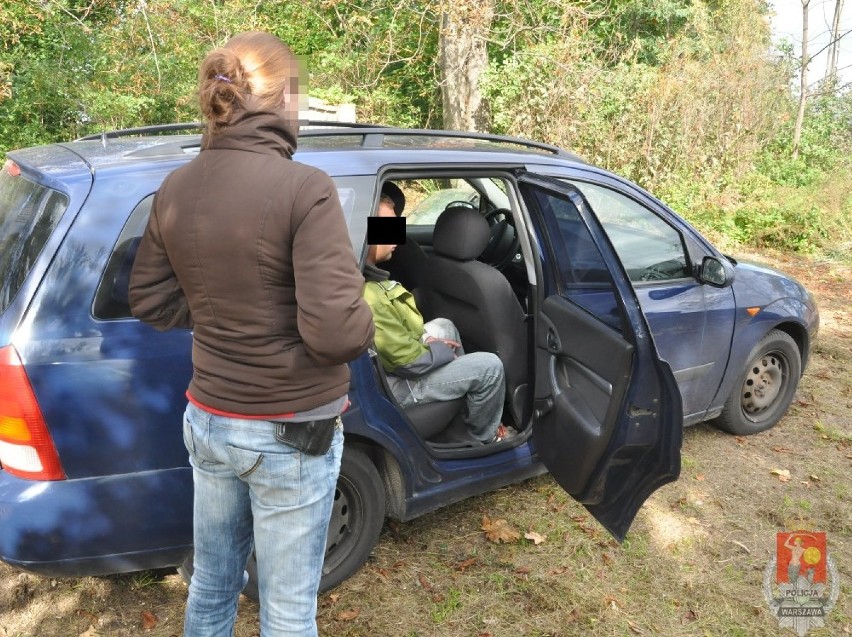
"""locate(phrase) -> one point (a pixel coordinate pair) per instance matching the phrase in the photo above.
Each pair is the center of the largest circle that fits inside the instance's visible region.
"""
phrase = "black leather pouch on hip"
(312, 437)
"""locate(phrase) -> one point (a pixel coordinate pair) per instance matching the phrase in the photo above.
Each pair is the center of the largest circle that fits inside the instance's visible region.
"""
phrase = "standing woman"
(250, 249)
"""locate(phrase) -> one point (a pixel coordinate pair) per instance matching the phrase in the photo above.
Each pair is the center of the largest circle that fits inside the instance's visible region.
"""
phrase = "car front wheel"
(766, 387)
(357, 517)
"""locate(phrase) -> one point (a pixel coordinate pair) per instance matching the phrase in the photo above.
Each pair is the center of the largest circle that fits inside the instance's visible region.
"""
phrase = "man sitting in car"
(425, 362)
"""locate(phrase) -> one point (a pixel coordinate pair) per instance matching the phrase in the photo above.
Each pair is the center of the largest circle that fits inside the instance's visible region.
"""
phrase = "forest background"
(689, 98)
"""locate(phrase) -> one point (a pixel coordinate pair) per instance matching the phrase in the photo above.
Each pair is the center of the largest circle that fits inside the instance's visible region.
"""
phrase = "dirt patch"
(692, 564)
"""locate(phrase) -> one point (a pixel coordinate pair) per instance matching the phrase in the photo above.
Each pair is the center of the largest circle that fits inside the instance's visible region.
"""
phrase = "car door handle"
(553, 342)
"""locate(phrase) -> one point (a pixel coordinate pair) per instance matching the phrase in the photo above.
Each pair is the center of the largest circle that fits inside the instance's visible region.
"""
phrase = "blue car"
(616, 321)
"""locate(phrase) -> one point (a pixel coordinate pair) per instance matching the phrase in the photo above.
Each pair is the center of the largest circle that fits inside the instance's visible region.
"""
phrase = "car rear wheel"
(766, 387)
(357, 517)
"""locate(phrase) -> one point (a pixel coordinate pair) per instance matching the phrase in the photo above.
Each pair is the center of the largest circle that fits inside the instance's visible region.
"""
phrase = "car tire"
(766, 387)
(357, 517)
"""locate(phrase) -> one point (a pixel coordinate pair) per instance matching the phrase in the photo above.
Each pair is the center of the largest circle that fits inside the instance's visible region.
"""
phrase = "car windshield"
(29, 213)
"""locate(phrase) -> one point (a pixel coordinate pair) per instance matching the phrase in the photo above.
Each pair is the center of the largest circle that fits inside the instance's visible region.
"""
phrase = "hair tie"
(222, 78)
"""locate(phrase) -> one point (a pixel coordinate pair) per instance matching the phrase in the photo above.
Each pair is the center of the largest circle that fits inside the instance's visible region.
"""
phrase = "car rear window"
(29, 213)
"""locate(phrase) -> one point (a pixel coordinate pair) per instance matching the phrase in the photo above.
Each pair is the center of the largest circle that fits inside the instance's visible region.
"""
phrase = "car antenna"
(103, 138)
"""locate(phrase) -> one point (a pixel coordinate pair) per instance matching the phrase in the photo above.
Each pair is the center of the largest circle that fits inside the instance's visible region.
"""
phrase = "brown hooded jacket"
(251, 250)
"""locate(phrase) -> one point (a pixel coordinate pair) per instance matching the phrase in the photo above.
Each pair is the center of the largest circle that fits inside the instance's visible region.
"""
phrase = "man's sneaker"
(504, 432)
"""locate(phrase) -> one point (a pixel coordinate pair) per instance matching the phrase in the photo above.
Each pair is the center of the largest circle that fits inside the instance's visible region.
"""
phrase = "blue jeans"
(253, 491)
(477, 376)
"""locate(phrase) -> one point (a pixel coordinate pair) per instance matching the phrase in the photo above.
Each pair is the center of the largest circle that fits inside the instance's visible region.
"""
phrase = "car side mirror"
(716, 272)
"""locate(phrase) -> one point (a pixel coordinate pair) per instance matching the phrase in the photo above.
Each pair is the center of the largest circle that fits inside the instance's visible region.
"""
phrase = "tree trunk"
(803, 81)
(463, 57)
(831, 69)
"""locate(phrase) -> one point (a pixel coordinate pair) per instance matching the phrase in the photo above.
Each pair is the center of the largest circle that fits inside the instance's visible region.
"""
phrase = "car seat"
(477, 298)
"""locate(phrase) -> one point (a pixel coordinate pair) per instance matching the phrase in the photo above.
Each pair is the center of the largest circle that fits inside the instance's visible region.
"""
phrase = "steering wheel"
(504, 243)
(463, 204)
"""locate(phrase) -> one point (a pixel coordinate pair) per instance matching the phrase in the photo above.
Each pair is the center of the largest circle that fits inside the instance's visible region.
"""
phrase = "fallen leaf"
(466, 564)
(634, 628)
(523, 570)
(94, 618)
(814, 477)
(535, 537)
(499, 530)
(348, 615)
(782, 450)
(90, 632)
(149, 620)
(607, 558)
(554, 505)
(783, 474)
(612, 602)
(689, 617)
(334, 597)
(424, 582)
(700, 477)
(383, 573)
(437, 598)
(740, 440)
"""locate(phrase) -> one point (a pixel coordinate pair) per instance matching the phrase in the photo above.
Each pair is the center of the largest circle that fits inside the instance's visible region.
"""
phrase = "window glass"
(111, 299)
(29, 214)
(426, 199)
(356, 199)
(582, 274)
(649, 248)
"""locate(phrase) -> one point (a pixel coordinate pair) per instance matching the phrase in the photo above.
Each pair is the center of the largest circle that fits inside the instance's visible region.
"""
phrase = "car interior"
(462, 260)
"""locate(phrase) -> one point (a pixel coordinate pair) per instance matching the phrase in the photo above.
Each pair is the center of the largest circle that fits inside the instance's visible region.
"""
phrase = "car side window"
(111, 298)
(583, 276)
(648, 247)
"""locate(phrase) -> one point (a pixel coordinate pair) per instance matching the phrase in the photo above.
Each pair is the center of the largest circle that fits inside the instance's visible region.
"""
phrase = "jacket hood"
(375, 273)
(269, 132)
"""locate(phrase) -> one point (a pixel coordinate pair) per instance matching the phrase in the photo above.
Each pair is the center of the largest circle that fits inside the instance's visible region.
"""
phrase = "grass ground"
(692, 565)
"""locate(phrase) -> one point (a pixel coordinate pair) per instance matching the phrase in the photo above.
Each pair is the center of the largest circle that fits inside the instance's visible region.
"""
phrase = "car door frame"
(608, 453)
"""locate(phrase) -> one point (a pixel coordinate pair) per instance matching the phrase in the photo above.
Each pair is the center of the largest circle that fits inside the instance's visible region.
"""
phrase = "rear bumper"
(96, 526)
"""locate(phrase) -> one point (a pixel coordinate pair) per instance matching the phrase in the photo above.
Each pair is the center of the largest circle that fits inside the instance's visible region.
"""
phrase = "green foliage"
(678, 95)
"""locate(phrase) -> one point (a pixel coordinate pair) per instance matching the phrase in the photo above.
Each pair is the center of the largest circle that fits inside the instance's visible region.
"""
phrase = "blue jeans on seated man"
(253, 491)
(477, 376)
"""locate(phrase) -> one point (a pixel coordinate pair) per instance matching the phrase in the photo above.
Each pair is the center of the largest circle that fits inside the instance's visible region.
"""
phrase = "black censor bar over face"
(385, 231)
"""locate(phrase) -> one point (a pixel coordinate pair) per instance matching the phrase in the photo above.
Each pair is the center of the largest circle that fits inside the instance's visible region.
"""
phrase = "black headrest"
(393, 191)
(461, 233)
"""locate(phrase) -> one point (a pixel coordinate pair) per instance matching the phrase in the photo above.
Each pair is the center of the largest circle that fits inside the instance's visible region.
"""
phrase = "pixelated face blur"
(294, 98)
(380, 253)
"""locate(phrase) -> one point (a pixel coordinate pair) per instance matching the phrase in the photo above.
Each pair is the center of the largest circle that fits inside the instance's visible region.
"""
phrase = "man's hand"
(450, 342)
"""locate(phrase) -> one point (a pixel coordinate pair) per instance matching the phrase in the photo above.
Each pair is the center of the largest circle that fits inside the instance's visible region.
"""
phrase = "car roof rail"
(372, 135)
(155, 129)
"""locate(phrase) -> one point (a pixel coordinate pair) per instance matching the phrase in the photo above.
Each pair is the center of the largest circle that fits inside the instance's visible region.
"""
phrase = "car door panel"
(583, 377)
(607, 413)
